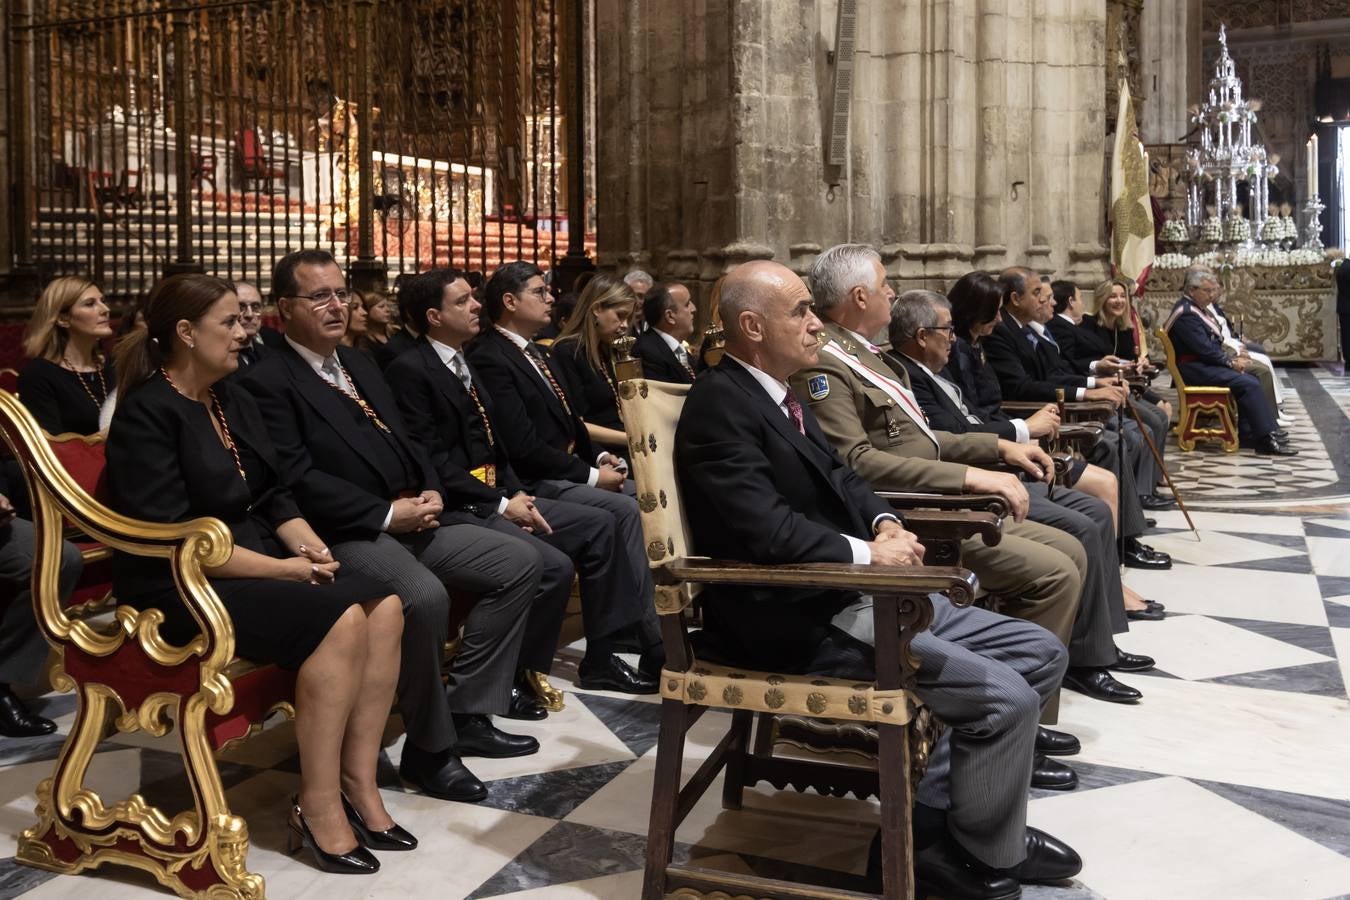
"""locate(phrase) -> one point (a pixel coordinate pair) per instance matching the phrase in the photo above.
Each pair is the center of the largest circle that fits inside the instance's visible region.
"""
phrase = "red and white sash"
(896, 390)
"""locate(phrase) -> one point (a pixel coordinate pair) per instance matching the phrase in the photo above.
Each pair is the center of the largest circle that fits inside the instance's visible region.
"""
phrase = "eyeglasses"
(950, 329)
(324, 297)
(540, 292)
(250, 307)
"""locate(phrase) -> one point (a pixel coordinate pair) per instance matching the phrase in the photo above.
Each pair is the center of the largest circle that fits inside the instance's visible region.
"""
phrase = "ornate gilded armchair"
(1194, 401)
(125, 672)
(690, 685)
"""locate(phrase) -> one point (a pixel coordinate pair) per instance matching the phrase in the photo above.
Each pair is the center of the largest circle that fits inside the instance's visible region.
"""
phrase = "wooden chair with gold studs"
(690, 686)
(124, 672)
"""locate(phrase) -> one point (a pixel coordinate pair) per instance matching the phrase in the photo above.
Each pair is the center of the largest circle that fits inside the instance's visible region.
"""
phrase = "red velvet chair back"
(9, 380)
(249, 147)
(83, 457)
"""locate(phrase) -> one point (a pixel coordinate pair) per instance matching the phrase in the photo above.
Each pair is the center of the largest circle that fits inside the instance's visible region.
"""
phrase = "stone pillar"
(1171, 30)
(976, 135)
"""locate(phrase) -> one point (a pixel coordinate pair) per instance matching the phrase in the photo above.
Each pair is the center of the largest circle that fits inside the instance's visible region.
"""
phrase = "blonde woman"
(584, 356)
(358, 322)
(68, 378)
(1118, 330)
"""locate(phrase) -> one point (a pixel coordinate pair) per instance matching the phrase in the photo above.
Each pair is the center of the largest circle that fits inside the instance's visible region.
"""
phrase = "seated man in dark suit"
(761, 483)
(552, 455)
(370, 492)
(669, 311)
(1200, 357)
(453, 416)
(258, 338)
(924, 352)
(1029, 368)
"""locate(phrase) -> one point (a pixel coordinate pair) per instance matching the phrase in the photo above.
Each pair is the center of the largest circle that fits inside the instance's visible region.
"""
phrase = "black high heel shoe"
(394, 837)
(357, 861)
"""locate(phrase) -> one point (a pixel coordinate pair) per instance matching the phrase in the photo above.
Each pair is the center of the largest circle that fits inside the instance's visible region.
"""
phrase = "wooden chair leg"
(665, 798)
(764, 734)
(897, 839)
(733, 781)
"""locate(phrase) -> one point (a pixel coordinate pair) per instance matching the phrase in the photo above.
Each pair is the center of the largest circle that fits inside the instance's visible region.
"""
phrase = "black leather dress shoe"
(1156, 502)
(1139, 555)
(613, 674)
(1097, 683)
(440, 775)
(17, 720)
(1148, 614)
(1280, 435)
(1150, 522)
(524, 706)
(1131, 662)
(1048, 859)
(1154, 604)
(1056, 743)
(1052, 775)
(477, 736)
(943, 869)
(1270, 445)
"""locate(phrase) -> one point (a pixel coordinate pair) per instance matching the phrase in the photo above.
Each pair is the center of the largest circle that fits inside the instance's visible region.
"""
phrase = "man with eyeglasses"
(373, 496)
(250, 319)
(862, 398)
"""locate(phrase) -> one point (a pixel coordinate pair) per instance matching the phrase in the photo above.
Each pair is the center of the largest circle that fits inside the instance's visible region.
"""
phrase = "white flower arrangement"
(1171, 261)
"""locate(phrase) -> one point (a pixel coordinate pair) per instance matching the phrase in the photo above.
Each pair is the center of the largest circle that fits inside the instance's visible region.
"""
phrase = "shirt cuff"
(884, 517)
(1091, 382)
(1023, 432)
(1080, 394)
(501, 506)
(862, 554)
(1092, 366)
(388, 517)
(594, 478)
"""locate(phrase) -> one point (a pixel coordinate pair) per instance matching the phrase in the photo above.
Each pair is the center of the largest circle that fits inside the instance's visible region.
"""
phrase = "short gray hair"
(1196, 276)
(637, 276)
(839, 270)
(913, 310)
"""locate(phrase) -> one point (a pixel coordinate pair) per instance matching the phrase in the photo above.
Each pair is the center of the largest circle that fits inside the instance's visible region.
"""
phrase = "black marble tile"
(16, 880)
(1092, 776)
(1316, 818)
(1316, 638)
(1294, 565)
(1333, 585)
(1322, 679)
(552, 795)
(1324, 414)
(1313, 529)
(567, 852)
(1338, 614)
(635, 723)
(164, 783)
(1287, 541)
(53, 706)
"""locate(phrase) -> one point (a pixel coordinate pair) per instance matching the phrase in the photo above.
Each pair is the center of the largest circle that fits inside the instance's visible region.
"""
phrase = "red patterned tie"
(794, 409)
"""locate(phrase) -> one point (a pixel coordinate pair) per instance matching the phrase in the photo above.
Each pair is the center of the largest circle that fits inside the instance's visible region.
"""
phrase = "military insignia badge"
(818, 386)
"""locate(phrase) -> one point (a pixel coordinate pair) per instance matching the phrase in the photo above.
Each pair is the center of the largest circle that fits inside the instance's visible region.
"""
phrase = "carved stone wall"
(1244, 14)
(976, 135)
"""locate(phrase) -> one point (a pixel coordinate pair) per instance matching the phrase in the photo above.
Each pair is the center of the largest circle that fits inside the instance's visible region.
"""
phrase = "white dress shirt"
(778, 391)
(453, 359)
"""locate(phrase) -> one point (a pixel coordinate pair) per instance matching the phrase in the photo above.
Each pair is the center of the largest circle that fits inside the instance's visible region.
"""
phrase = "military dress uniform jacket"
(874, 434)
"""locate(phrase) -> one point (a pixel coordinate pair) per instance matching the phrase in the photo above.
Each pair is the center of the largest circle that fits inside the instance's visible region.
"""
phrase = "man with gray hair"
(1198, 344)
(760, 483)
(639, 281)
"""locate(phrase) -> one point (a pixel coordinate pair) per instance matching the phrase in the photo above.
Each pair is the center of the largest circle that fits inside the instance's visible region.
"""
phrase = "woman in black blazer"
(67, 380)
(585, 358)
(185, 443)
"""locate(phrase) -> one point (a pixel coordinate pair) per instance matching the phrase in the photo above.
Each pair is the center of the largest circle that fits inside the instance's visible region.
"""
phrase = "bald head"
(767, 318)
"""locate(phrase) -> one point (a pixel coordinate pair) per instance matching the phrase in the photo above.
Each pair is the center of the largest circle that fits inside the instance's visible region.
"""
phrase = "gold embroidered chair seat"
(690, 686)
(125, 673)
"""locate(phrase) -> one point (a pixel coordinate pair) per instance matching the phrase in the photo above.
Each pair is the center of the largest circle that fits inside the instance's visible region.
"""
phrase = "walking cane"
(1157, 458)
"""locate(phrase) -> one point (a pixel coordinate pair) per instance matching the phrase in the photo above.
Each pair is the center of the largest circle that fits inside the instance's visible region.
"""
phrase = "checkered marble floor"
(1229, 780)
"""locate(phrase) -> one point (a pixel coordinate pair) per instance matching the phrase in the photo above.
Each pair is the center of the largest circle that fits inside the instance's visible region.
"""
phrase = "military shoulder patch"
(818, 386)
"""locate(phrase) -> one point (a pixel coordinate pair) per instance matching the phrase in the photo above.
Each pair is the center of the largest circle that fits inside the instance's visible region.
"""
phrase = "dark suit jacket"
(1192, 340)
(1343, 289)
(1078, 347)
(1025, 371)
(591, 393)
(439, 413)
(326, 444)
(943, 413)
(532, 423)
(659, 362)
(399, 343)
(754, 489)
(271, 338)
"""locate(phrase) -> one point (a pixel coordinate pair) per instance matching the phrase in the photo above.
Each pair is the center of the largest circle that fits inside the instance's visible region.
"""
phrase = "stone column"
(714, 120)
(1170, 28)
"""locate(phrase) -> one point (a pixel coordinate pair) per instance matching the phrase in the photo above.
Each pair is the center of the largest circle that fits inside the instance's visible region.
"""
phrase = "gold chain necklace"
(79, 376)
(217, 413)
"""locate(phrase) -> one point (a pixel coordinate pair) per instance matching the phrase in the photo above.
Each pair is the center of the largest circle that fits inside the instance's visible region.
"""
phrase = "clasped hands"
(894, 546)
(613, 471)
(420, 513)
(313, 564)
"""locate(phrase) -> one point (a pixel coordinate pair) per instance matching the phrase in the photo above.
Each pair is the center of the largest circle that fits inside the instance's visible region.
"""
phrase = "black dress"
(63, 401)
(1119, 341)
(592, 393)
(167, 464)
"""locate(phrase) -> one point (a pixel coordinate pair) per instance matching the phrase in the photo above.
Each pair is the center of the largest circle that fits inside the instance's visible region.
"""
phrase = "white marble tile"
(1169, 839)
(568, 739)
(624, 886)
(1340, 639)
(112, 776)
(461, 846)
(1233, 593)
(1330, 556)
(1343, 600)
(807, 828)
(564, 674)
(1271, 739)
(1196, 647)
(1238, 523)
(1215, 548)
